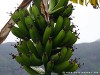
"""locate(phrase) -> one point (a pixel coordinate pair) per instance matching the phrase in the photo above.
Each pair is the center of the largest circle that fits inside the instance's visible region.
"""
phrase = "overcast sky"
(87, 19)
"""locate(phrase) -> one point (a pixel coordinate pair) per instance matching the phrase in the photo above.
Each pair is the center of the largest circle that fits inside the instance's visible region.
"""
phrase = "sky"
(86, 18)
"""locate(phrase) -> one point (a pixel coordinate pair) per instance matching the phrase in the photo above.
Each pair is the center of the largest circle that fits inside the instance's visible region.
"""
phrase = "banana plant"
(46, 35)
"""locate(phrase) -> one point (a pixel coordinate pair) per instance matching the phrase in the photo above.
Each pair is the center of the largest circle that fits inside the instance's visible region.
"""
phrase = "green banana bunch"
(20, 15)
(18, 18)
(35, 60)
(46, 37)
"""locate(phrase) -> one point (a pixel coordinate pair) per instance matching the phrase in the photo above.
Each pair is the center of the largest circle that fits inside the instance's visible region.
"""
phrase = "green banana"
(59, 4)
(67, 38)
(19, 60)
(52, 26)
(31, 47)
(58, 25)
(29, 22)
(51, 5)
(21, 50)
(50, 66)
(35, 11)
(39, 48)
(74, 68)
(16, 31)
(26, 60)
(24, 47)
(73, 39)
(45, 59)
(63, 54)
(41, 22)
(25, 12)
(47, 34)
(36, 61)
(58, 68)
(57, 40)
(23, 29)
(21, 16)
(30, 70)
(69, 54)
(55, 57)
(15, 17)
(68, 11)
(30, 13)
(48, 47)
(67, 23)
(34, 33)
(71, 64)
